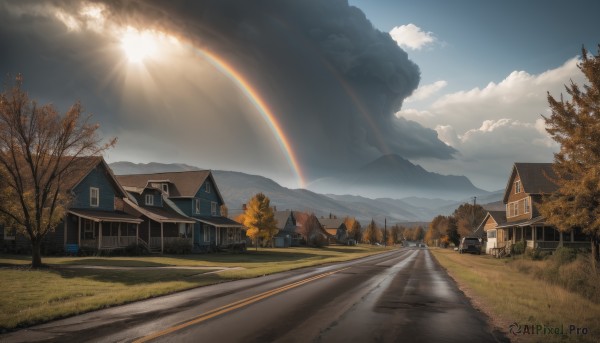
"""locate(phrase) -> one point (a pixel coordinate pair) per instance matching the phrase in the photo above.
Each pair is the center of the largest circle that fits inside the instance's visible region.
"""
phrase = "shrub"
(564, 255)
(178, 246)
(134, 250)
(538, 254)
(518, 248)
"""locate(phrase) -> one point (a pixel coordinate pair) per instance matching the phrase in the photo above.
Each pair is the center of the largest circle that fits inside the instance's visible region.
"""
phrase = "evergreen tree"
(575, 125)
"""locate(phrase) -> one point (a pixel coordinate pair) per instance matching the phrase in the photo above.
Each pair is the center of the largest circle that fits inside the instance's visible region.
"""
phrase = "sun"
(139, 45)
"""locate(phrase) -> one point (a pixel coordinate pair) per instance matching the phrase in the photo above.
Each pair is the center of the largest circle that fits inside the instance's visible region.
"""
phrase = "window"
(517, 186)
(491, 234)
(94, 197)
(207, 187)
(185, 230)
(196, 205)
(9, 233)
(165, 188)
(88, 229)
(213, 208)
(527, 208)
(149, 199)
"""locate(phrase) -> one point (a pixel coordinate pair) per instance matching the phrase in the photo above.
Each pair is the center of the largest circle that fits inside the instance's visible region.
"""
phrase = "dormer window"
(149, 200)
(165, 188)
(94, 197)
(207, 187)
(517, 187)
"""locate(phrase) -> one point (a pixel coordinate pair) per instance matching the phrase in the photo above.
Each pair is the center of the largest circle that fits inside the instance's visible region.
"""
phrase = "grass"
(36, 296)
(508, 296)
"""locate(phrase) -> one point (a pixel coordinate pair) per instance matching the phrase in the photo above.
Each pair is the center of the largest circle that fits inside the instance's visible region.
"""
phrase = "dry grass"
(35, 296)
(509, 296)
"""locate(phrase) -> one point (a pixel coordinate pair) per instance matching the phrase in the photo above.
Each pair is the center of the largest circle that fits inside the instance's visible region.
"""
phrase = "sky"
(302, 90)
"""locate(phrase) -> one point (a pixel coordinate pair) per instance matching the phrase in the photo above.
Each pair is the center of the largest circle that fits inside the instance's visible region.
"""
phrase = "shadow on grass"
(139, 277)
(250, 256)
(112, 262)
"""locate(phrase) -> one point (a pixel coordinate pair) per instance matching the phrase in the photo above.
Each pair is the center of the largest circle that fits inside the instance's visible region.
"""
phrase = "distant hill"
(237, 188)
(392, 176)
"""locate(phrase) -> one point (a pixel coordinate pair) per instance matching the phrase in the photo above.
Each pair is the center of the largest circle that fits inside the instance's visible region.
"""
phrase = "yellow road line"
(233, 306)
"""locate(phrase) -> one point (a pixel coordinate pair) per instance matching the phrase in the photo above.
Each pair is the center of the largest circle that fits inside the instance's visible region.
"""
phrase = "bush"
(518, 248)
(134, 249)
(178, 246)
(538, 254)
(564, 255)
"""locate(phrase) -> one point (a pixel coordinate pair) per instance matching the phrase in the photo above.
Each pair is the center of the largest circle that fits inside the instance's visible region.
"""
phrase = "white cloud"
(494, 126)
(426, 91)
(411, 36)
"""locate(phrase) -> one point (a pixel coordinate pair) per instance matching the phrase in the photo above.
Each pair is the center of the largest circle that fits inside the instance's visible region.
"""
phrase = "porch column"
(119, 234)
(137, 233)
(99, 235)
(149, 232)
(162, 239)
(65, 227)
(79, 232)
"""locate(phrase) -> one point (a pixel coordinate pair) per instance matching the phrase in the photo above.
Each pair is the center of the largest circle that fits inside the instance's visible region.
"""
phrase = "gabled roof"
(82, 166)
(218, 221)
(281, 218)
(163, 214)
(185, 184)
(498, 216)
(536, 178)
(331, 223)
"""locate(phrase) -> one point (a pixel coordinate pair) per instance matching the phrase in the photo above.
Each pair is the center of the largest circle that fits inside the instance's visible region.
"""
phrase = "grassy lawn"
(36, 296)
(508, 296)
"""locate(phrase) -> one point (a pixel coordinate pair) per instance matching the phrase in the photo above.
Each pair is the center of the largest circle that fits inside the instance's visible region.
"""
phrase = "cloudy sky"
(300, 90)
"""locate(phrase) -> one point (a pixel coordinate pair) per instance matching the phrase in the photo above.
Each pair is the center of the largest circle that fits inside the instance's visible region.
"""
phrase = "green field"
(73, 285)
(508, 296)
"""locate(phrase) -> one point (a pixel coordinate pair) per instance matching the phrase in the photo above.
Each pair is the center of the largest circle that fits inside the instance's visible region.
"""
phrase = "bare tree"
(39, 151)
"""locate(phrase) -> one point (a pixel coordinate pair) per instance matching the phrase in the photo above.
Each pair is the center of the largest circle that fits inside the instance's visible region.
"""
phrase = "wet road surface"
(401, 296)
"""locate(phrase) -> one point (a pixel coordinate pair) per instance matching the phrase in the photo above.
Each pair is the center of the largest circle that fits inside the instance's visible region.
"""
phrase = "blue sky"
(492, 63)
(340, 88)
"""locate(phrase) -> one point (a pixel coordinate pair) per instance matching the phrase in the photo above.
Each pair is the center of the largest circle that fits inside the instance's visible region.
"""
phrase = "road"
(400, 296)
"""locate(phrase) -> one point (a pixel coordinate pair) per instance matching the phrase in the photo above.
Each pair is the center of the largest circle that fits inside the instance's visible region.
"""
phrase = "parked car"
(470, 244)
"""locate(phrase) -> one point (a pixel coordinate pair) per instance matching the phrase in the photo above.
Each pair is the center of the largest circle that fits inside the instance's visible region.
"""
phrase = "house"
(489, 225)
(335, 228)
(287, 226)
(194, 194)
(95, 219)
(526, 187)
(163, 223)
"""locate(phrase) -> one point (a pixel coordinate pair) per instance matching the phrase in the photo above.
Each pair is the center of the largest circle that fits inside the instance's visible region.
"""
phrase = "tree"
(259, 219)
(372, 233)
(575, 125)
(39, 151)
(353, 227)
(468, 217)
(310, 229)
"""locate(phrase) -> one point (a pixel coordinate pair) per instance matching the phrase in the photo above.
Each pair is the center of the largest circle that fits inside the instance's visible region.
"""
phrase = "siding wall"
(98, 178)
(518, 199)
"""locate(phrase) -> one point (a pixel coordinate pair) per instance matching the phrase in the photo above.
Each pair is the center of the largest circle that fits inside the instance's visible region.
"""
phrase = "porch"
(221, 233)
(101, 230)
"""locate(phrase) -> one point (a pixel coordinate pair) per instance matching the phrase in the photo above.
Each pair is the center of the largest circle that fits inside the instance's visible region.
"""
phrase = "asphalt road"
(401, 296)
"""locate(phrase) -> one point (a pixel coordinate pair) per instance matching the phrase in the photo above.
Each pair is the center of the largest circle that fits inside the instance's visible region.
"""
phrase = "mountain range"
(237, 188)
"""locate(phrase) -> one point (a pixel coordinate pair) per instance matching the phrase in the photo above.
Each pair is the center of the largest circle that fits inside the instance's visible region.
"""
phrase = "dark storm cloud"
(333, 80)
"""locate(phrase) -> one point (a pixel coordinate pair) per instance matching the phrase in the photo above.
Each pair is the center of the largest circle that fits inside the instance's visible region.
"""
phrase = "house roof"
(498, 216)
(331, 223)
(218, 221)
(521, 223)
(281, 218)
(106, 216)
(185, 184)
(536, 178)
(82, 166)
(163, 214)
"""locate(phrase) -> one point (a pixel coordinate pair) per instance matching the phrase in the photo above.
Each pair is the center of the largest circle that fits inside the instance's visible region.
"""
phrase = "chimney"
(274, 208)
(244, 207)
(329, 215)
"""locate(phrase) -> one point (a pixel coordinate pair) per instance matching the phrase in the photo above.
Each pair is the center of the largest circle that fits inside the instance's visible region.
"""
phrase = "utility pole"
(385, 232)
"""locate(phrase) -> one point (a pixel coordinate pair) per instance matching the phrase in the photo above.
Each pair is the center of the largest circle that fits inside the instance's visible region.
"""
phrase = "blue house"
(96, 216)
(195, 195)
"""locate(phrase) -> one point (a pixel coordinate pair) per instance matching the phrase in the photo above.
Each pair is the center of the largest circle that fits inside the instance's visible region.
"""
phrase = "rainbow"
(259, 103)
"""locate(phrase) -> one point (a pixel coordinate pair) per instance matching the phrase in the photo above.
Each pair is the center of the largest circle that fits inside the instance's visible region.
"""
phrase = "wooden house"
(335, 228)
(163, 223)
(489, 226)
(524, 193)
(194, 194)
(287, 226)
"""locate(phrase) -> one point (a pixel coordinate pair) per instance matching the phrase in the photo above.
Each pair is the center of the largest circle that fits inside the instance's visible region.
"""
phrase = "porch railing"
(155, 241)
